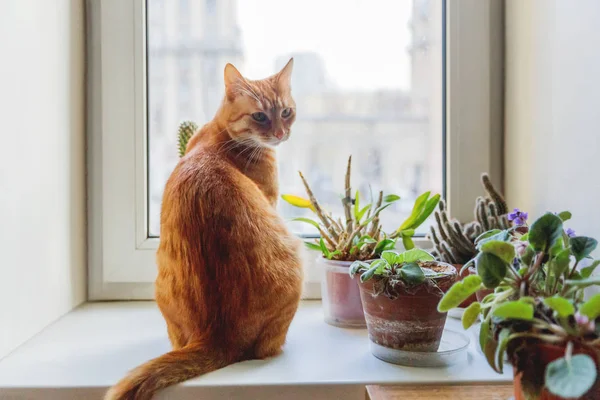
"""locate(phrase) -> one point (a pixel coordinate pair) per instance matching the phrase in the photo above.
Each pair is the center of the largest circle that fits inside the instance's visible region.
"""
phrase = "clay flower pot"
(341, 297)
(545, 354)
(411, 321)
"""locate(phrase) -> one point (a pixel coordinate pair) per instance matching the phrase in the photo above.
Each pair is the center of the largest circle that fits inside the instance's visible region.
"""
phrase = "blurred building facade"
(395, 136)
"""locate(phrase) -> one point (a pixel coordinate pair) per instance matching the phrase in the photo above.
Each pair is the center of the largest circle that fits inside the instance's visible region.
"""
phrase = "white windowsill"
(92, 347)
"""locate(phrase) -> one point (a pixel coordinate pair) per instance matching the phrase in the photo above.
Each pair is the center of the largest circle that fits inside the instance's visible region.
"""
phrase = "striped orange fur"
(229, 272)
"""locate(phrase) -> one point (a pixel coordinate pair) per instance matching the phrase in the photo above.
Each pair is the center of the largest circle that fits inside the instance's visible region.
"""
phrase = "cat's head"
(259, 112)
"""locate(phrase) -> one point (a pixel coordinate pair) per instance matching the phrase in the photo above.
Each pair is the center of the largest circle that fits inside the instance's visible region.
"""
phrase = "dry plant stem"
(348, 200)
(329, 241)
(334, 223)
(375, 222)
(318, 209)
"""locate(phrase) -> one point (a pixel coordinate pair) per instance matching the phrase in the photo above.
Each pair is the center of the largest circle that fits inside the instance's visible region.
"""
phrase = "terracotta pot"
(545, 354)
(411, 321)
(471, 299)
(480, 294)
(341, 297)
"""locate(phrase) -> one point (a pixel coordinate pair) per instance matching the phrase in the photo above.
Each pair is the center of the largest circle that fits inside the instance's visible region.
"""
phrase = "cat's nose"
(279, 134)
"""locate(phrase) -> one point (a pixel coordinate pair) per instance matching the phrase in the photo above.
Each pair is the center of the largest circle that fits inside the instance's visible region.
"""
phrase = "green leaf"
(514, 310)
(484, 333)
(560, 263)
(367, 239)
(416, 211)
(381, 265)
(375, 213)
(308, 221)
(313, 246)
(357, 266)
(571, 378)
(487, 234)
(590, 281)
(324, 249)
(525, 237)
(390, 198)
(503, 339)
(528, 255)
(560, 305)
(591, 308)
(501, 236)
(407, 232)
(430, 205)
(391, 257)
(356, 205)
(589, 270)
(491, 269)
(470, 314)
(545, 231)
(565, 216)
(385, 244)
(503, 250)
(408, 243)
(412, 274)
(368, 274)
(459, 292)
(362, 212)
(414, 255)
(582, 246)
(559, 246)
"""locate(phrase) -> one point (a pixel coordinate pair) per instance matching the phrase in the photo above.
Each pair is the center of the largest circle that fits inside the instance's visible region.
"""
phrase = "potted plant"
(400, 293)
(454, 242)
(537, 314)
(359, 236)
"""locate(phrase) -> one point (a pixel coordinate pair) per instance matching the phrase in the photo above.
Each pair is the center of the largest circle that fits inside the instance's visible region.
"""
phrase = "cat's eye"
(286, 112)
(259, 116)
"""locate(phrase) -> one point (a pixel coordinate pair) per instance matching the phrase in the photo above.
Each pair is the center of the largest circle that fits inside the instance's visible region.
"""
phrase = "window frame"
(121, 255)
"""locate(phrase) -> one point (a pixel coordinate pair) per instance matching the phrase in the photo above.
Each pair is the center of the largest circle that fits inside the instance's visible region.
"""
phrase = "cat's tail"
(174, 367)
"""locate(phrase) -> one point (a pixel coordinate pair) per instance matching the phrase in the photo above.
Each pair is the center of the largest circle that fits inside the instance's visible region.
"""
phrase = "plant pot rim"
(340, 263)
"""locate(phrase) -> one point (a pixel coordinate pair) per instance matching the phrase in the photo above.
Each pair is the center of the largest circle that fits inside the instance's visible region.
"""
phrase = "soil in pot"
(535, 358)
(409, 321)
(341, 297)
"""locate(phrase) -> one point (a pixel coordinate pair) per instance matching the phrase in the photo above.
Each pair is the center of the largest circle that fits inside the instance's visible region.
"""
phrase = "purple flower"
(518, 217)
(571, 232)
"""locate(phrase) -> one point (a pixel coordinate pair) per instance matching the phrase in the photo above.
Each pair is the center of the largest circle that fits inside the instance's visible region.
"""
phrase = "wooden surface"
(470, 392)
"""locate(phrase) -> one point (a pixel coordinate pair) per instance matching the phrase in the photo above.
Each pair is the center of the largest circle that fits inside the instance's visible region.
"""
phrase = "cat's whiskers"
(249, 90)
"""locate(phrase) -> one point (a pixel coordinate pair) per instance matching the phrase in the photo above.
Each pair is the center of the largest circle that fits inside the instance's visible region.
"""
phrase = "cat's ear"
(284, 77)
(231, 75)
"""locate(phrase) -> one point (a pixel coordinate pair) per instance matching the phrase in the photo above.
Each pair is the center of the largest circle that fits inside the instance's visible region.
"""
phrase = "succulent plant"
(454, 242)
(184, 133)
(359, 236)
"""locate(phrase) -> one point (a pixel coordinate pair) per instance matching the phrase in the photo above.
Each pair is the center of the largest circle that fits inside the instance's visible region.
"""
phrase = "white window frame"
(122, 258)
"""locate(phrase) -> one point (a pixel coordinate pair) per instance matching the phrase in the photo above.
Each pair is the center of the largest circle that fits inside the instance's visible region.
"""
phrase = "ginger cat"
(230, 273)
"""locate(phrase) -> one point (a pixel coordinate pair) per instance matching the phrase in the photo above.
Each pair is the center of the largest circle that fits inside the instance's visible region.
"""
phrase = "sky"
(363, 42)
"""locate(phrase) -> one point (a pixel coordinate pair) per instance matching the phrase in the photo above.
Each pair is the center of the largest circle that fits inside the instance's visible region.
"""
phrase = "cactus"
(184, 133)
(454, 242)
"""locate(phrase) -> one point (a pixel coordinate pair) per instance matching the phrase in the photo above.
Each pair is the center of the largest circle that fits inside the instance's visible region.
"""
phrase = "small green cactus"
(454, 242)
(184, 133)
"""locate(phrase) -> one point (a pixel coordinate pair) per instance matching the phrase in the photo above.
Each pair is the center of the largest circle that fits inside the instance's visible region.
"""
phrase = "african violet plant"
(537, 302)
(359, 236)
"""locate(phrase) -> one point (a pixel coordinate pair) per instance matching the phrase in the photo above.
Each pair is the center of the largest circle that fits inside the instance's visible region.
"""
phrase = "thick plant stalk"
(494, 195)
(184, 133)
(348, 199)
(454, 242)
(318, 210)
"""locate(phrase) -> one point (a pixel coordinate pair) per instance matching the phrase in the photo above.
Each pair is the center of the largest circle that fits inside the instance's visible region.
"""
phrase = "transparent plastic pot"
(342, 305)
